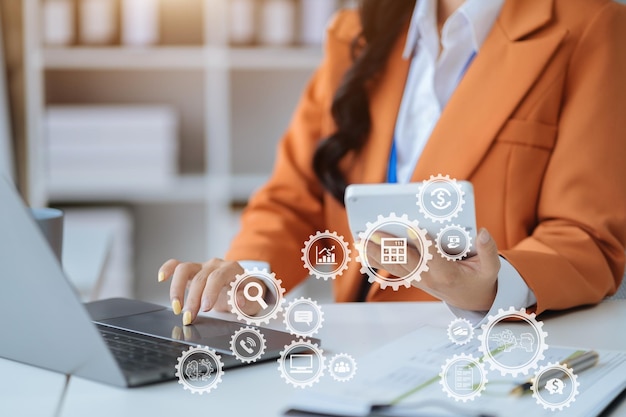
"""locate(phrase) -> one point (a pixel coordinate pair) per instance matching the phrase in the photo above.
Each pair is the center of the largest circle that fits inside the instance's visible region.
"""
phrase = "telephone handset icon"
(245, 346)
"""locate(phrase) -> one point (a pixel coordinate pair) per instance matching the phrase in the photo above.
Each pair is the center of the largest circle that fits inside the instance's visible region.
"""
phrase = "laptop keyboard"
(136, 352)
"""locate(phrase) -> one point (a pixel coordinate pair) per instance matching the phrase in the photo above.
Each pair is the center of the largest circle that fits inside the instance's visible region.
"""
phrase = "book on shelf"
(111, 146)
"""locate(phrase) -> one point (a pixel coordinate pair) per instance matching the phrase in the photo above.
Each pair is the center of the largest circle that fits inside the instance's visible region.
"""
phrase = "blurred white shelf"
(184, 189)
(125, 58)
(177, 58)
(275, 58)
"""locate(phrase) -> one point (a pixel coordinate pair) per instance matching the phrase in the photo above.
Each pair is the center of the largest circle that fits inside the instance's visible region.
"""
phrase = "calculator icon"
(393, 251)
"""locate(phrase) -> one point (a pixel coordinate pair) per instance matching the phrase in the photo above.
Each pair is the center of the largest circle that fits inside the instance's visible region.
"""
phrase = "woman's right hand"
(208, 284)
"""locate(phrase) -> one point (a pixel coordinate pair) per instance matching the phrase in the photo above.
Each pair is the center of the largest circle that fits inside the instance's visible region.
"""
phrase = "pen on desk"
(577, 364)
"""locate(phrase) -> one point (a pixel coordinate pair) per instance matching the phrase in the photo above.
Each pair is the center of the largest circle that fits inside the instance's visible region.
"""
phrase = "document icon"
(463, 378)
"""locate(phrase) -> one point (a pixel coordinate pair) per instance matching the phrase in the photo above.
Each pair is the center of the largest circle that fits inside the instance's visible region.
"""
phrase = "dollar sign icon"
(555, 386)
(443, 198)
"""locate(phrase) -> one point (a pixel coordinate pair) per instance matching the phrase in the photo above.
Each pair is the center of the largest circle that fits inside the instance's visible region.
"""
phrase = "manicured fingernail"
(375, 238)
(411, 233)
(161, 276)
(187, 318)
(484, 236)
(176, 307)
(205, 305)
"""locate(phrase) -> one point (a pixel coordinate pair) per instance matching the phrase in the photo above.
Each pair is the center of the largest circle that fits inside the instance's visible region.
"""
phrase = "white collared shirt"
(433, 76)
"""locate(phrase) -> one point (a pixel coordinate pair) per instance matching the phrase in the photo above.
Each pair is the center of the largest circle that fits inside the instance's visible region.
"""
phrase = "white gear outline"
(317, 309)
(248, 329)
(347, 357)
(468, 324)
(571, 398)
(302, 343)
(335, 272)
(406, 280)
(444, 372)
(267, 277)
(208, 352)
(464, 252)
(420, 198)
(512, 313)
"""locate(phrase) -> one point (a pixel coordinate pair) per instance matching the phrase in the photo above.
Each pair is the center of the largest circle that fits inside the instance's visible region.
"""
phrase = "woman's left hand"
(469, 284)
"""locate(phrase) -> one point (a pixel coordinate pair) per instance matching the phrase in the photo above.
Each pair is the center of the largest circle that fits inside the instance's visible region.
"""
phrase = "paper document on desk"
(400, 374)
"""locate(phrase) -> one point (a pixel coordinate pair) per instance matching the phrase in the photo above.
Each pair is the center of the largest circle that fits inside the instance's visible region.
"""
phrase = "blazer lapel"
(502, 73)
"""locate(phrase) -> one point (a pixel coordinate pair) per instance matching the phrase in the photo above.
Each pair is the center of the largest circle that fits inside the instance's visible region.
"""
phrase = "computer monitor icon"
(301, 363)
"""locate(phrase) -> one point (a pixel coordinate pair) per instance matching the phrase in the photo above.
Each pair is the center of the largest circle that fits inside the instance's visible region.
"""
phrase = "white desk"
(29, 391)
(356, 329)
(258, 390)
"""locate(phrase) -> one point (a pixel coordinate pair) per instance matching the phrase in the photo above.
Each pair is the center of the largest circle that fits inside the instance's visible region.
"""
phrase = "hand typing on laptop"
(207, 284)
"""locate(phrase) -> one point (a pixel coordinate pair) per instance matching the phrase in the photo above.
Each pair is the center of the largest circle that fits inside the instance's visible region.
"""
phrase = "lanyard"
(392, 165)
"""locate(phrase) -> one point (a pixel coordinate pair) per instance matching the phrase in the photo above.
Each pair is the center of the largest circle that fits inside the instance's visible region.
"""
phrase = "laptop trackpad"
(207, 331)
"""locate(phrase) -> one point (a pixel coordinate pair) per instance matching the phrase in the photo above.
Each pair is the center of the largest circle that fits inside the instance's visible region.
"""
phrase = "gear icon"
(459, 242)
(440, 198)
(247, 344)
(551, 377)
(199, 369)
(328, 259)
(423, 246)
(301, 369)
(460, 331)
(303, 317)
(499, 343)
(463, 367)
(342, 367)
(271, 302)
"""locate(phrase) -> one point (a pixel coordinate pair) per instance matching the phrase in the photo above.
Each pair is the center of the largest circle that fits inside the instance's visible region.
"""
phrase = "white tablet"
(441, 207)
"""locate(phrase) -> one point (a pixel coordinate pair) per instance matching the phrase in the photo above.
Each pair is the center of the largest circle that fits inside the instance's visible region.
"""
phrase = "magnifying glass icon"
(259, 294)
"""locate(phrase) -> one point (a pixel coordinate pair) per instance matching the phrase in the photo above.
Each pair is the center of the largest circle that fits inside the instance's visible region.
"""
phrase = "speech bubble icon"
(303, 317)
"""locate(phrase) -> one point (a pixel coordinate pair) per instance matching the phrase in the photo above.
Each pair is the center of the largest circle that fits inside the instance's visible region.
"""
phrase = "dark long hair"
(382, 21)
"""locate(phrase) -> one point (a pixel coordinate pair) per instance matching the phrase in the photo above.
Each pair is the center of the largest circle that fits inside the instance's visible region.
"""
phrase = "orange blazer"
(537, 124)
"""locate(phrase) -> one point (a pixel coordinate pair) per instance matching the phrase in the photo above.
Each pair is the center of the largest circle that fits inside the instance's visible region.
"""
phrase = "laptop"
(118, 341)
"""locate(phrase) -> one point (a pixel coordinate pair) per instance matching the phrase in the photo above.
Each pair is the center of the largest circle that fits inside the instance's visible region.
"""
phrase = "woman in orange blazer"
(536, 124)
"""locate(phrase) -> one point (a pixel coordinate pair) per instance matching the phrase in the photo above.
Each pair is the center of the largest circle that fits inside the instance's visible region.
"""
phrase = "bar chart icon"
(325, 256)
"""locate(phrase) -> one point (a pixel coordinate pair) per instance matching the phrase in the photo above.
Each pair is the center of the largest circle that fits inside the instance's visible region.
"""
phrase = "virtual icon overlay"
(440, 198)
(247, 344)
(342, 367)
(301, 364)
(326, 255)
(463, 377)
(199, 370)
(512, 342)
(513, 347)
(460, 331)
(453, 242)
(393, 251)
(555, 386)
(260, 287)
(303, 317)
